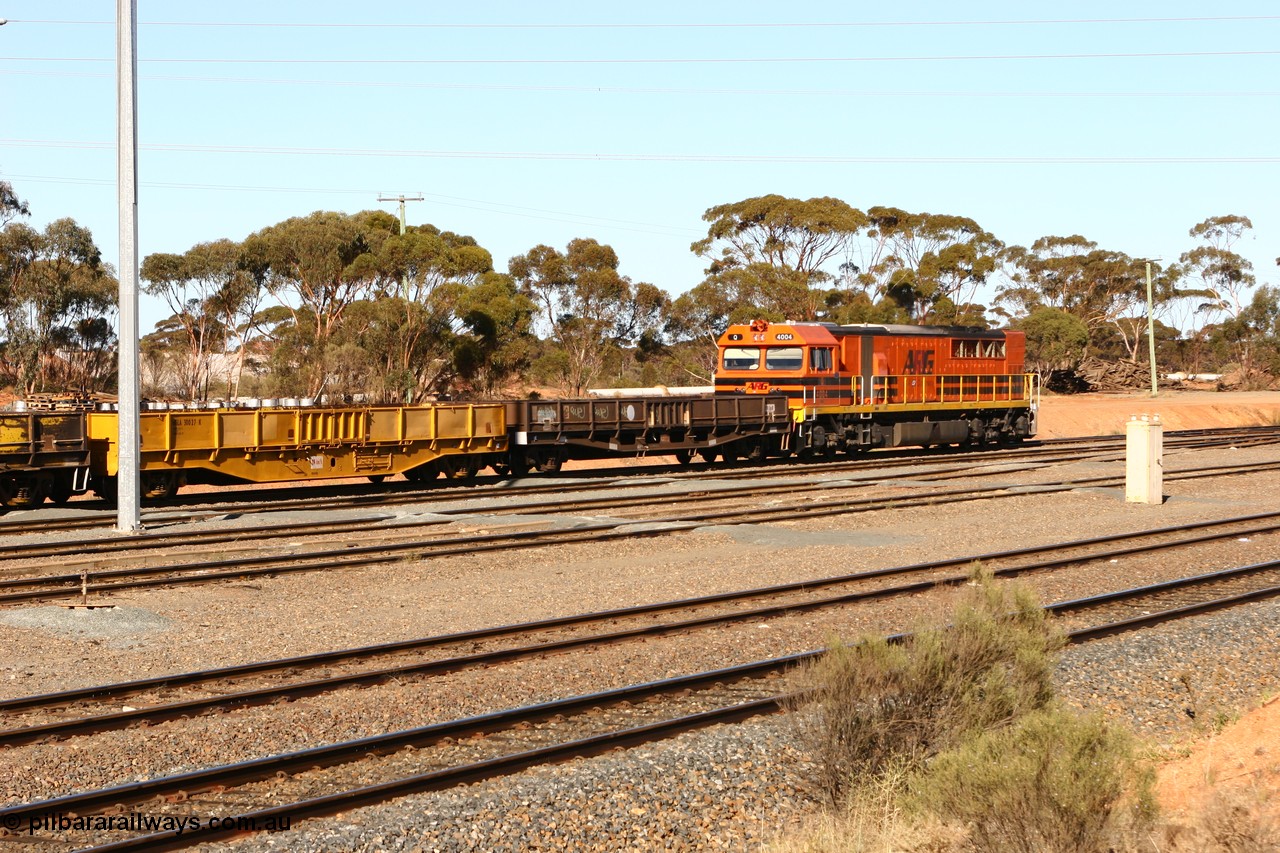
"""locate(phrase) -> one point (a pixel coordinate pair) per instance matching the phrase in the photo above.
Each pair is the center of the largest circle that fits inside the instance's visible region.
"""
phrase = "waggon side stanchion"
(1144, 460)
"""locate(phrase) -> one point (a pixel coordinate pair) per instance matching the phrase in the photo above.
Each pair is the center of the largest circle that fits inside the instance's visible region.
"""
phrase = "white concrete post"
(129, 488)
(1144, 460)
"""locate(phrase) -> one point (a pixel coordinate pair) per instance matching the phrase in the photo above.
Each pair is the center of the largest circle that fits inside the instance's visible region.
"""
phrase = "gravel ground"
(725, 788)
(737, 787)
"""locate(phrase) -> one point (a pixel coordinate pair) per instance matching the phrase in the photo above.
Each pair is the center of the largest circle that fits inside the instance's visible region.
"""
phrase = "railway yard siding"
(729, 787)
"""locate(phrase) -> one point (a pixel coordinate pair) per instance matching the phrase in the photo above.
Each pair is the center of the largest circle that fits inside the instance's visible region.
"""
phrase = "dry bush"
(1233, 822)
(872, 820)
(879, 705)
(1054, 782)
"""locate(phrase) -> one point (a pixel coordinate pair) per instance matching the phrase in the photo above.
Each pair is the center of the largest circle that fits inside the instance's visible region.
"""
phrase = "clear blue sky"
(527, 123)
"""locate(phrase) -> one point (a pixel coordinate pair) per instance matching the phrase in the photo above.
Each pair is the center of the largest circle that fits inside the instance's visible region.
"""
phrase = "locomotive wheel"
(377, 478)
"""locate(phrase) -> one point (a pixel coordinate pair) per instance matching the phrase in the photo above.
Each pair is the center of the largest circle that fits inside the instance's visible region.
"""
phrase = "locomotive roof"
(891, 329)
(901, 329)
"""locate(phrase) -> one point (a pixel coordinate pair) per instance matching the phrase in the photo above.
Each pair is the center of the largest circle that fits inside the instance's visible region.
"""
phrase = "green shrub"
(1054, 781)
(879, 705)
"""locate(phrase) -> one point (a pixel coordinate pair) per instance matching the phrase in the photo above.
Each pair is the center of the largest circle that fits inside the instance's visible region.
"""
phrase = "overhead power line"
(458, 202)
(671, 26)
(640, 157)
(764, 60)
(654, 90)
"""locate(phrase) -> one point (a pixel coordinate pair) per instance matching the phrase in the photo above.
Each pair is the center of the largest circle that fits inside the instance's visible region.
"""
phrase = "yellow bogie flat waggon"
(272, 445)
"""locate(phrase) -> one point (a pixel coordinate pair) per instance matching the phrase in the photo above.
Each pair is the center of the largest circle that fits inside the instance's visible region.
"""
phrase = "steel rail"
(391, 496)
(226, 776)
(155, 713)
(157, 540)
(340, 753)
(623, 528)
(381, 649)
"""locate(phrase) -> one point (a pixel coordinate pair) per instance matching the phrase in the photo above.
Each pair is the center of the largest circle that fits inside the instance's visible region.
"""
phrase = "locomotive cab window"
(783, 358)
(820, 359)
(977, 349)
(741, 358)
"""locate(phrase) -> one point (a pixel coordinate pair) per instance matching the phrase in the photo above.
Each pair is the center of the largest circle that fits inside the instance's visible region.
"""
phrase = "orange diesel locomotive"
(860, 386)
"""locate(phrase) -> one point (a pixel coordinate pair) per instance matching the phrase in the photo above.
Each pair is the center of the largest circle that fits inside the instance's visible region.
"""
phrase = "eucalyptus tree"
(1102, 288)
(56, 295)
(931, 264)
(589, 309)
(496, 342)
(317, 266)
(768, 253)
(422, 276)
(1223, 276)
(1253, 337)
(1238, 318)
(1056, 339)
(11, 206)
(213, 291)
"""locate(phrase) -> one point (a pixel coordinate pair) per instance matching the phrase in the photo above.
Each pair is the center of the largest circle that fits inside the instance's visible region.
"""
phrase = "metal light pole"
(129, 516)
(1151, 331)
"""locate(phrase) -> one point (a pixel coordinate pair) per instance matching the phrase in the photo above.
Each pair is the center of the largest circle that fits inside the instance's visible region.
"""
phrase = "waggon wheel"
(709, 455)
(158, 485)
(513, 464)
(457, 467)
(422, 473)
(61, 490)
(107, 488)
(377, 478)
(19, 494)
(684, 457)
(548, 462)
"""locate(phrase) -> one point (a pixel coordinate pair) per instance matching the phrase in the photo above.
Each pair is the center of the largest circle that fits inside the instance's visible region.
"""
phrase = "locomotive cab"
(801, 360)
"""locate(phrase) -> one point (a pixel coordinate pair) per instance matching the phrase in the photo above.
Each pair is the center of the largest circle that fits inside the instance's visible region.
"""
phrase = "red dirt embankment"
(1106, 414)
(1241, 764)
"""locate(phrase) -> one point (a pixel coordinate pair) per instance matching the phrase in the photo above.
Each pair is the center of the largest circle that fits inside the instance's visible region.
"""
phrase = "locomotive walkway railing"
(941, 389)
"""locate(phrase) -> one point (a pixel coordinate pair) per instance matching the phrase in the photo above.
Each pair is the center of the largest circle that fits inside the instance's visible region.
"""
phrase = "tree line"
(349, 306)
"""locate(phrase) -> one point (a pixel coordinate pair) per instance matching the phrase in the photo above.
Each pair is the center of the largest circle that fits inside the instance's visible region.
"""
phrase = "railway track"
(400, 494)
(94, 709)
(405, 542)
(338, 777)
